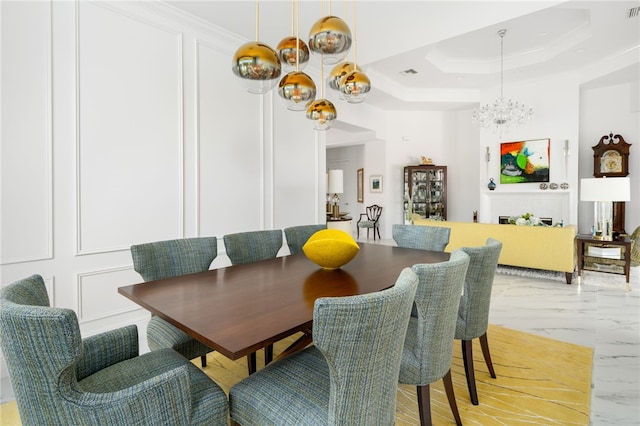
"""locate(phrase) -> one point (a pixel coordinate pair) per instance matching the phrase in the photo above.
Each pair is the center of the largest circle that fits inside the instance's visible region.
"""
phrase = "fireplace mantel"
(549, 203)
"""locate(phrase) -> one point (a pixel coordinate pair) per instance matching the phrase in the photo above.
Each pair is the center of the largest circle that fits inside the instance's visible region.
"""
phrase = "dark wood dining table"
(239, 309)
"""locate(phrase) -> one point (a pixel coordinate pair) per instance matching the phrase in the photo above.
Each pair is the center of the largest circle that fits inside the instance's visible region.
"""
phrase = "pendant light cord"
(501, 33)
(257, 21)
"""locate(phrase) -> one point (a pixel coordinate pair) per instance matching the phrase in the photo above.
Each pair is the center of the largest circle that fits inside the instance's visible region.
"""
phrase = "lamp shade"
(605, 189)
(336, 184)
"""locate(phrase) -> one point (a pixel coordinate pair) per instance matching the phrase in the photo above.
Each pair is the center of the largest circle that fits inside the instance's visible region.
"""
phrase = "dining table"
(239, 309)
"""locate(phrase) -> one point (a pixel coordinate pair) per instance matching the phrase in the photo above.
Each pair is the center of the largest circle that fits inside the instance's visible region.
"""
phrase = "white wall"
(134, 129)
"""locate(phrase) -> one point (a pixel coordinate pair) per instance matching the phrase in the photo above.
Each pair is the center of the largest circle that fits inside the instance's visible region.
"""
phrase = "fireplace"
(552, 205)
(504, 220)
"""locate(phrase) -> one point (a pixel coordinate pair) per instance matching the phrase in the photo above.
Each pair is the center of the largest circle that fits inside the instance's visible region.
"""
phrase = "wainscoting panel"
(230, 197)
(130, 130)
(98, 296)
(27, 233)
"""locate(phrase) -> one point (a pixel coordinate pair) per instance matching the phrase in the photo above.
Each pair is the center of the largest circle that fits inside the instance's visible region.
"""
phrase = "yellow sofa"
(537, 247)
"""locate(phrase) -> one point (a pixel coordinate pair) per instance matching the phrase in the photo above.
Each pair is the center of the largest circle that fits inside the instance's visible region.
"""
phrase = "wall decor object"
(525, 161)
(375, 183)
(360, 185)
(611, 157)
(553, 186)
(544, 186)
(491, 185)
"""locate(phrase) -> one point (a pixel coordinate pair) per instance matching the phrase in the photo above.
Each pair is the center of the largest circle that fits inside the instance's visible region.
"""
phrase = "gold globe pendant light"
(288, 52)
(339, 71)
(257, 64)
(330, 37)
(322, 111)
(296, 88)
(355, 85)
(293, 52)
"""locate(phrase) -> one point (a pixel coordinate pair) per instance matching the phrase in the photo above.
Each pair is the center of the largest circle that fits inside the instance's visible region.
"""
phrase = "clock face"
(611, 162)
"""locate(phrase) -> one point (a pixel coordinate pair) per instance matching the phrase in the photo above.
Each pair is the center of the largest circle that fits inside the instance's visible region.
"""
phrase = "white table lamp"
(604, 191)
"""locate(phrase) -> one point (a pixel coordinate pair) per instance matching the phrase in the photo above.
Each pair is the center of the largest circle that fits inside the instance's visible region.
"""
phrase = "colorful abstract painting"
(524, 161)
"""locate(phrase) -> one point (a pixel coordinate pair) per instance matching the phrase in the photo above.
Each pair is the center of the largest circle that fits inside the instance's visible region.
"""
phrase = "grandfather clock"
(611, 159)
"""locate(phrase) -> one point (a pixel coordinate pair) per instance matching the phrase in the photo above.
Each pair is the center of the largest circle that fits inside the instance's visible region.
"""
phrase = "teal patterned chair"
(59, 378)
(473, 314)
(166, 259)
(254, 246)
(348, 377)
(433, 238)
(428, 347)
(297, 236)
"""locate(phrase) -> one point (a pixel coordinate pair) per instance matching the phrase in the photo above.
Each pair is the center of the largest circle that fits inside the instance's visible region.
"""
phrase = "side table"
(343, 223)
(623, 259)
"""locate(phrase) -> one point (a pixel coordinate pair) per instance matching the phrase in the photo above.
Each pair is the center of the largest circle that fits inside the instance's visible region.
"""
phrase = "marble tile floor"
(598, 312)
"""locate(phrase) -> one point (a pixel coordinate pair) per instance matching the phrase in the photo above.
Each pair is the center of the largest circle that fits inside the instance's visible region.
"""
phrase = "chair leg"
(203, 361)
(467, 357)
(484, 343)
(379, 237)
(268, 354)
(448, 388)
(424, 405)
(368, 233)
(358, 231)
(251, 363)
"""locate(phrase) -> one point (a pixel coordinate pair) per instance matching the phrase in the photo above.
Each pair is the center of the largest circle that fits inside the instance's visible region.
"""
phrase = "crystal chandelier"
(502, 113)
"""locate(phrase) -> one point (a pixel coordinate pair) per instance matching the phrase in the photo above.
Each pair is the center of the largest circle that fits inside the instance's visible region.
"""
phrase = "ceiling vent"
(409, 71)
(633, 12)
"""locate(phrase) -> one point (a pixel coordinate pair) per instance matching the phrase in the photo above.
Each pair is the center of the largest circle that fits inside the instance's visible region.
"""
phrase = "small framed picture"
(360, 185)
(375, 183)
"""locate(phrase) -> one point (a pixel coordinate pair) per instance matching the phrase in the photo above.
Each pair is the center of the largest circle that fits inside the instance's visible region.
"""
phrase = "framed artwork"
(360, 185)
(525, 161)
(375, 183)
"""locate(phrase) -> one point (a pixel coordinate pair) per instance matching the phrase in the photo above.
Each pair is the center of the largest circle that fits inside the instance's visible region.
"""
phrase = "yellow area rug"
(539, 381)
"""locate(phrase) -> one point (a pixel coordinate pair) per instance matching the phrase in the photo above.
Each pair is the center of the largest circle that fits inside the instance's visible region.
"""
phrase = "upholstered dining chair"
(348, 377)
(421, 237)
(166, 259)
(60, 378)
(635, 247)
(473, 314)
(370, 220)
(428, 346)
(298, 235)
(254, 246)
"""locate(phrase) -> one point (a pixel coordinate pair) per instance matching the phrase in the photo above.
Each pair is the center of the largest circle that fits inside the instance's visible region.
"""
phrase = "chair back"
(361, 339)
(41, 346)
(428, 347)
(171, 258)
(297, 236)
(421, 237)
(473, 315)
(635, 247)
(373, 212)
(246, 247)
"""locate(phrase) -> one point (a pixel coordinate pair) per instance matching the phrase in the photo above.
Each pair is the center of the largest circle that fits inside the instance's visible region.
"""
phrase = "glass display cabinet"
(425, 192)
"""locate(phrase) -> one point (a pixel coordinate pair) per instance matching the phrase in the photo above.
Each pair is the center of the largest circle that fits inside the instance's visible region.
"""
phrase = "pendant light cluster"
(330, 37)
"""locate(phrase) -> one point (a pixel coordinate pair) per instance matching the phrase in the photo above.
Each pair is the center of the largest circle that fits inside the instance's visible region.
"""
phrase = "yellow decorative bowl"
(330, 248)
